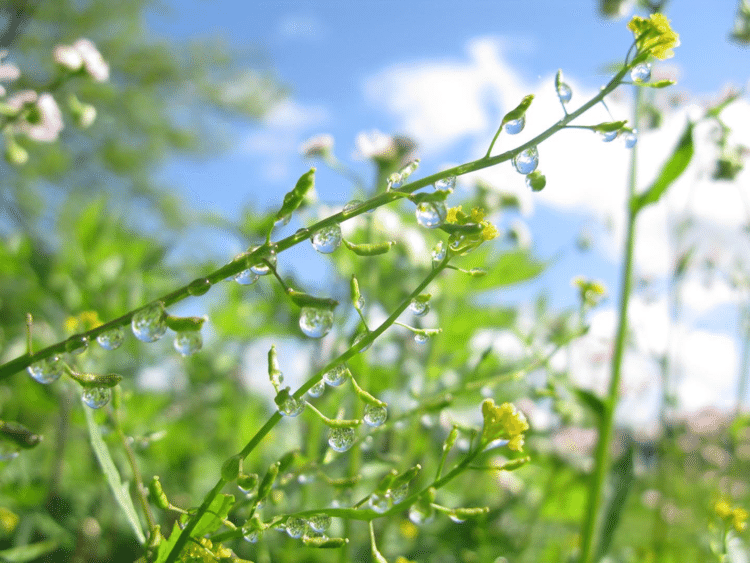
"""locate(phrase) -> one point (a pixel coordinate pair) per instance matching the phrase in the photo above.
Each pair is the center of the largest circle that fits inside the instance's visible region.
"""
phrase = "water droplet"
(46, 371)
(327, 239)
(188, 342)
(292, 407)
(420, 515)
(379, 503)
(252, 535)
(630, 138)
(421, 337)
(76, 345)
(564, 92)
(515, 126)
(341, 439)
(609, 136)
(431, 214)
(397, 495)
(360, 303)
(149, 324)
(375, 415)
(317, 389)
(438, 253)
(455, 518)
(336, 376)
(295, 527)
(246, 277)
(408, 170)
(96, 397)
(448, 183)
(419, 307)
(316, 322)
(302, 233)
(351, 206)
(641, 72)
(320, 522)
(361, 336)
(283, 220)
(261, 268)
(394, 181)
(199, 286)
(526, 161)
(112, 338)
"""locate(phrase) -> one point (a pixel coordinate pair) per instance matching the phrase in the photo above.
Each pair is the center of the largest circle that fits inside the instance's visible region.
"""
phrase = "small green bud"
(357, 299)
(302, 299)
(19, 435)
(369, 249)
(519, 111)
(450, 441)
(609, 126)
(406, 477)
(185, 324)
(294, 199)
(268, 480)
(247, 482)
(464, 513)
(324, 542)
(230, 470)
(158, 495)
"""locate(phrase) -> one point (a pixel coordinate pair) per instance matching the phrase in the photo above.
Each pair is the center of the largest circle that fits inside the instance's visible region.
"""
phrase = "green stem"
(606, 424)
(185, 533)
(745, 361)
(236, 266)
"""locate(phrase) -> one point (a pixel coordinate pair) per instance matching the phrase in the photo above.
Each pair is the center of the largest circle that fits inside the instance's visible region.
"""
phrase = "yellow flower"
(8, 521)
(591, 291)
(489, 231)
(503, 421)
(654, 35)
(477, 214)
(722, 509)
(452, 214)
(408, 530)
(82, 322)
(739, 519)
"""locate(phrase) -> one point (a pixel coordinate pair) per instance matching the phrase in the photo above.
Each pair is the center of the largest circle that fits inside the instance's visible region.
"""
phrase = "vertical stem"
(745, 361)
(606, 424)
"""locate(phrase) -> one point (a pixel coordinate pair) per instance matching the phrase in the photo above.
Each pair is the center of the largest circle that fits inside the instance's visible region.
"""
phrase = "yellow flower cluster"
(654, 35)
(456, 215)
(504, 421)
(206, 552)
(737, 515)
(82, 322)
(591, 291)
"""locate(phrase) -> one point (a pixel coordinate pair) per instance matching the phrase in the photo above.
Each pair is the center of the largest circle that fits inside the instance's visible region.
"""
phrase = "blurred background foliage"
(86, 228)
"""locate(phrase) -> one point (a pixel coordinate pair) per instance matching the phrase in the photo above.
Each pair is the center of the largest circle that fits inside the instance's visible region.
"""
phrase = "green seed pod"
(302, 299)
(185, 324)
(268, 480)
(450, 441)
(19, 435)
(230, 470)
(406, 477)
(157, 493)
(464, 513)
(324, 543)
(357, 299)
(293, 199)
(386, 481)
(91, 381)
(609, 126)
(519, 111)
(369, 249)
(429, 197)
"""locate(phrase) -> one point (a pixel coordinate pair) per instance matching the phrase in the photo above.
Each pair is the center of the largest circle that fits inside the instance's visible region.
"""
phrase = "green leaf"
(214, 517)
(28, 552)
(120, 491)
(622, 480)
(294, 199)
(672, 170)
(511, 268)
(165, 547)
(594, 403)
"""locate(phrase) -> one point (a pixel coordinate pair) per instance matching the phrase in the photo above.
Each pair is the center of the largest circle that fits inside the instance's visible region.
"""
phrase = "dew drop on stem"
(420, 515)
(252, 535)
(641, 72)
(399, 494)
(46, 371)
(315, 322)
(564, 92)
(149, 324)
(295, 527)
(515, 126)
(318, 389)
(375, 415)
(609, 136)
(431, 214)
(327, 239)
(378, 502)
(291, 407)
(199, 287)
(96, 397)
(421, 338)
(630, 139)
(320, 523)
(438, 253)
(351, 206)
(526, 161)
(112, 338)
(261, 268)
(246, 277)
(419, 307)
(188, 342)
(341, 439)
(76, 345)
(448, 184)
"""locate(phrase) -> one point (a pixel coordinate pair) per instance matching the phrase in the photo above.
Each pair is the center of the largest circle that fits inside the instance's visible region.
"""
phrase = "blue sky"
(445, 73)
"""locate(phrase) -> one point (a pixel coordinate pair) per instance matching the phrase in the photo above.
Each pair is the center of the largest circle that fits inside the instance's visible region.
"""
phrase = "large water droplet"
(149, 324)
(341, 439)
(318, 389)
(316, 322)
(609, 136)
(46, 371)
(431, 214)
(188, 342)
(420, 337)
(295, 527)
(516, 125)
(261, 268)
(112, 338)
(419, 307)
(526, 161)
(199, 286)
(630, 138)
(438, 253)
(320, 522)
(76, 345)
(375, 415)
(327, 239)
(420, 515)
(96, 397)
(378, 502)
(292, 407)
(641, 72)
(564, 92)
(336, 376)
(351, 206)
(448, 184)
(246, 277)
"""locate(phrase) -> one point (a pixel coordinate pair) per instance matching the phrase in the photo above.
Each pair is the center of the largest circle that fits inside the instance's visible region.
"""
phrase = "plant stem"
(606, 424)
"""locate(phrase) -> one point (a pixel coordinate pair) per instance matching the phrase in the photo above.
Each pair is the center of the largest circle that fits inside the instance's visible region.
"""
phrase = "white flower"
(375, 144)
(47, 122)
(317, 146)
(67, 56)
(95, 64)
(8, 71)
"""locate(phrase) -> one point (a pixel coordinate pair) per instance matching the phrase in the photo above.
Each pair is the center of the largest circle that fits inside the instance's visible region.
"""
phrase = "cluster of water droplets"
(327, 239)
(336, 376)
(341, 439)
(375, 415)
(149, 324)
(46, 371)
(96, 397)
(526, 161)
(188, 342)
(316, 322)
(431, 214)
(112, 338)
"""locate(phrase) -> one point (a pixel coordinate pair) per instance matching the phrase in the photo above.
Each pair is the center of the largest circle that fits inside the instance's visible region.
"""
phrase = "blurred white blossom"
(8, 71)
(375, 144)
(83, 53)
(67, 56)
(44, 122)
(317, 146)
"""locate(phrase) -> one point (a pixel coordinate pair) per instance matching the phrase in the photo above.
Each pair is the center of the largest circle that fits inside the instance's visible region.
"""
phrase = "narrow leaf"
(120, 491)
(214, 517)
(622, 480)
(29, 552)
(594, 403)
